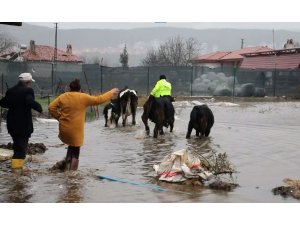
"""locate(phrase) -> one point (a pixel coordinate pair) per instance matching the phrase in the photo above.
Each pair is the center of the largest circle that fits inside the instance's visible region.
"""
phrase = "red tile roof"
(237, 55)
(46, 53)
(212, 57)
(286, 61)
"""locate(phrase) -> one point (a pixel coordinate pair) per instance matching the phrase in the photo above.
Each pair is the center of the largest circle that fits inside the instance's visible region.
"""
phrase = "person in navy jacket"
(20, 100)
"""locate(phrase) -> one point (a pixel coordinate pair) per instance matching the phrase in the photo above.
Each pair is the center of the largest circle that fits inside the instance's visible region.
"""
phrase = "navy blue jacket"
(20, 100)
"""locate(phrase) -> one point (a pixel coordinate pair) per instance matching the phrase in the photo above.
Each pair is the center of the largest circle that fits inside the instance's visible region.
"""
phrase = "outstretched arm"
(99, 99)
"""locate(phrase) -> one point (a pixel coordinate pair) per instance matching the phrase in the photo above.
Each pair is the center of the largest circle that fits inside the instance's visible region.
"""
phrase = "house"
(283, 59)
(226, 58)
(39, 60)
(39, 53)
(277, 72)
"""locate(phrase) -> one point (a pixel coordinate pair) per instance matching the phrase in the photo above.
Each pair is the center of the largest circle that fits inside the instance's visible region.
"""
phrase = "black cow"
(125, 105)
(201, 119)
(114, 108)
(128, 101)
(161, 112)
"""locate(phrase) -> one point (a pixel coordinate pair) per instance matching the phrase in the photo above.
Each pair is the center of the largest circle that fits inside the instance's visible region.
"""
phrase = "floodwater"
(260, 139)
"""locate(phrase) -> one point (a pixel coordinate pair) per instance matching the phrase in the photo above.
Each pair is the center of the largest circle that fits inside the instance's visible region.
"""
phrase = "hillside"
(108, 43)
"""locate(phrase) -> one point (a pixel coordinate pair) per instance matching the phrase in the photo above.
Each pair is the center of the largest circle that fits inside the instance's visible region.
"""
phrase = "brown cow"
(161, 112)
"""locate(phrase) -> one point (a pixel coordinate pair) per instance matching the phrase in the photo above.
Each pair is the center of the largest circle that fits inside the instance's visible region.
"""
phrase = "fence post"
(274, 82)
(2, 82)
(1, 97)
(52, 78)
(2, 92)
(101, 78)
(148, 79)
(192, 76)
(234, 76)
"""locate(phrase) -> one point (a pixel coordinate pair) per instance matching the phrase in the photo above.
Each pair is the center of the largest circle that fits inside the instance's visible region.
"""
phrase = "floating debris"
(32, 149)
(5, 154)
(6, 151)
(60, 166)
(291, 189)
(222, 185)
(191, 169)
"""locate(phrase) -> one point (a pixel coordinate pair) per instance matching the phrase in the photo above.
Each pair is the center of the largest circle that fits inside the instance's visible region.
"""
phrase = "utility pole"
(2, 92)
(148, 79)
(234, 78)
(54, 62)
(55, 53)
(101, 78)
(274, 76)
(273, 39)
(242, 44)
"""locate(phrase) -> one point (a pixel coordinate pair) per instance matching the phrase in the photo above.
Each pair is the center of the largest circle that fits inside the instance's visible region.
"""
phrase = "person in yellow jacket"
(162, 93)
(162, 87)
(70, 109)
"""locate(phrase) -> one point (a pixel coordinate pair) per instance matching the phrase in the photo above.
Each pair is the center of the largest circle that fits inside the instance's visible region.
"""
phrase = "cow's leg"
(158, 128)
(133, 119)
(124, 120)
(207, 131)
(190, 128)
(161, 132)
(145, 121)
(117, 120)
(106, 118)
(197, 132)
(105, 113)
(133, 107)
(171, 127)
(155, 131)
(203, 126)
(171, 124)
(111, 119)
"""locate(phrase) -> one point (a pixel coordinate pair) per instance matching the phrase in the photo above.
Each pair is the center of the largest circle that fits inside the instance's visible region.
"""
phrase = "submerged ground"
(259, 138)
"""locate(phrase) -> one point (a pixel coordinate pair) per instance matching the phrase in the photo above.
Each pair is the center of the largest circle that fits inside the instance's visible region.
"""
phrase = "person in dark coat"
(20, 100)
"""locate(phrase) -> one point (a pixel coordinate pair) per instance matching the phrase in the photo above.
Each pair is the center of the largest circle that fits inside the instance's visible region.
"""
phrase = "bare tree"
(192, 49)
(174, 52)
(6, 42)
(151, 58)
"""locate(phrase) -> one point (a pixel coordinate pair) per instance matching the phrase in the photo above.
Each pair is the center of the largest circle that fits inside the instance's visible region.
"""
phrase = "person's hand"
(115, 91)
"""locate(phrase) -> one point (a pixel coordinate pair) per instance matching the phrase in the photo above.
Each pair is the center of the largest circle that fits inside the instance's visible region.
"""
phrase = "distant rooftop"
(237, 55)
(40, 53)
(45, 53)
(276, 59)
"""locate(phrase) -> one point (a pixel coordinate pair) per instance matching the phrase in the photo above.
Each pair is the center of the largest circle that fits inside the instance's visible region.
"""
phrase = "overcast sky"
(195, 25)
(137, 11)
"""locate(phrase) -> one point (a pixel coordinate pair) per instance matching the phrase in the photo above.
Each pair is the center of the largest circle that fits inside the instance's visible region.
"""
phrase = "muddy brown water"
(260, 139)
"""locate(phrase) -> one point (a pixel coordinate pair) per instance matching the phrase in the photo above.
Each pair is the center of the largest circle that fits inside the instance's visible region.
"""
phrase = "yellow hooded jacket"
(70, 109)
(162, 88)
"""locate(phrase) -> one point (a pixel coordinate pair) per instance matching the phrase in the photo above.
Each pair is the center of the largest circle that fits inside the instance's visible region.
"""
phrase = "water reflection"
(18, 191)
(17, 187)
(72, 188)
(201, 145)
